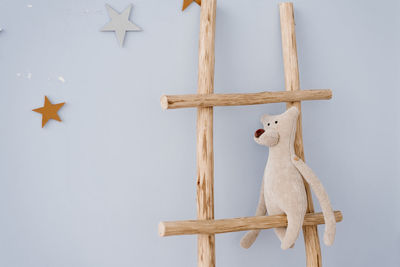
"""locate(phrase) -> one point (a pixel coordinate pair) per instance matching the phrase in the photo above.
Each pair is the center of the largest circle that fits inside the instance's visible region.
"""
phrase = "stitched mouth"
(259, 132)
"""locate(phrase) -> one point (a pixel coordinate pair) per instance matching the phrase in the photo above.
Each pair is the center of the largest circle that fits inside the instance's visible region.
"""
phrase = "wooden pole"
(205, 151)
(292, 83)
(192, 227)
(210, 100)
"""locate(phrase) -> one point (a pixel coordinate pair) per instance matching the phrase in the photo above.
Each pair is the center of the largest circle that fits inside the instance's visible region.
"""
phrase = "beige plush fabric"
(282, 190)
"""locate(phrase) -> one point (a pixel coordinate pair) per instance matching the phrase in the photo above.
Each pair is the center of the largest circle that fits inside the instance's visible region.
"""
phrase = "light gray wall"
(91, 190)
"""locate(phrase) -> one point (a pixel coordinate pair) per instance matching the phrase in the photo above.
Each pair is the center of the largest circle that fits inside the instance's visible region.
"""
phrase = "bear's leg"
(280, 232)
(249, 238)
(295, 223)
(273, 209)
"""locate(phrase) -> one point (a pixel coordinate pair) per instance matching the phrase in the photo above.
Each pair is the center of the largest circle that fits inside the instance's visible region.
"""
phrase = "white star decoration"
(119, 23)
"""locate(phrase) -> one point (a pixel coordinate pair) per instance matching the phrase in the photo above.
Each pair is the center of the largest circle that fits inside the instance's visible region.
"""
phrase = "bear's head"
(277, 128)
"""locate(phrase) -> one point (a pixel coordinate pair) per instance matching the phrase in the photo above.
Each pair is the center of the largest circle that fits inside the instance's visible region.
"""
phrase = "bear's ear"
(264, 118)
(293, 111)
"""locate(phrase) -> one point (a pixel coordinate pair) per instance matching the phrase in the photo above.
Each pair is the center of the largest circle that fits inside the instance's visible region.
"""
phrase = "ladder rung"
(210, 100)
(192, 227)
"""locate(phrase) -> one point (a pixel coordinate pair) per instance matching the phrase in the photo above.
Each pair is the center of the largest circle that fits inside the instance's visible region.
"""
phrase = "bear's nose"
(259, 132)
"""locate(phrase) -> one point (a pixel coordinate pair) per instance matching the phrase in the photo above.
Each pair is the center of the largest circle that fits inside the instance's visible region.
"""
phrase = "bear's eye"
(268, 123)
(276, 122)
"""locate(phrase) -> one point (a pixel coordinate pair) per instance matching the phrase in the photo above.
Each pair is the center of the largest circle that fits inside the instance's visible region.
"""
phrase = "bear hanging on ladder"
(282, 189)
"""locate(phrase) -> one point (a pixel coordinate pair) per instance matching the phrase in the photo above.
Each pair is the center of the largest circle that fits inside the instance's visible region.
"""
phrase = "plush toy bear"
(282, 190)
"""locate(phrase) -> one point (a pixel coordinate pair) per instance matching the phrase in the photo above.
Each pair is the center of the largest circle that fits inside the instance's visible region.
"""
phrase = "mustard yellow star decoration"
(49, 111)
(186, 3)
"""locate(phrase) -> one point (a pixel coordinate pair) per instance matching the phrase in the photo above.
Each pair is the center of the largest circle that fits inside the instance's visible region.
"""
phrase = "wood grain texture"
(191, 227)
(292, 83)
(205, 151)
(210, 100)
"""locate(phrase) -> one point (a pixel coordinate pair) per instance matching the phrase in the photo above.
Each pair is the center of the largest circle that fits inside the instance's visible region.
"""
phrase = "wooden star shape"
(49, 111)
(186, 3)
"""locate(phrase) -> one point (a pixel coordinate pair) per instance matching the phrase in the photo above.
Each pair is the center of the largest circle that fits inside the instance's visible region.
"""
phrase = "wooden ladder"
(205, 226)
